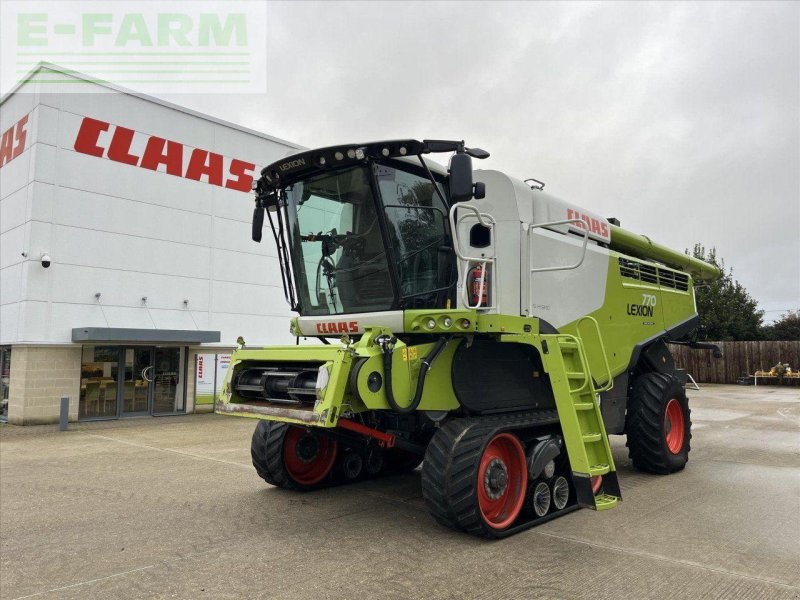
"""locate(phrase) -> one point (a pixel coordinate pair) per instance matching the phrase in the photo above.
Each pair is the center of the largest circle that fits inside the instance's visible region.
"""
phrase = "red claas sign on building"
(12, 144)
(177, 159)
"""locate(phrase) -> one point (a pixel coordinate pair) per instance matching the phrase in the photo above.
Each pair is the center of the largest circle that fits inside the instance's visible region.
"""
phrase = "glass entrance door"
(168, 376)
(132, 381)
(136, 388)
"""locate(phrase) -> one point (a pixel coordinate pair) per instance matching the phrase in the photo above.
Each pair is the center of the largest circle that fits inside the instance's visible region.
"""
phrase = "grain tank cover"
(548, 208)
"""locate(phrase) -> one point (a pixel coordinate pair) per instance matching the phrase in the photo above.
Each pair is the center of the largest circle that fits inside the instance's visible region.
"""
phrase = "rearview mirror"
(460, 182)
(258, 223)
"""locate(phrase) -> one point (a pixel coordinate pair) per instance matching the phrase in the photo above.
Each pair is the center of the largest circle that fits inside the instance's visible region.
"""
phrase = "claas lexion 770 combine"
(471, 323)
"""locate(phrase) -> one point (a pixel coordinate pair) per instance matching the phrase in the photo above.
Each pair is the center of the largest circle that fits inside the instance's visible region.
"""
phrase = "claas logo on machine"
(595, 226)
(338, 327)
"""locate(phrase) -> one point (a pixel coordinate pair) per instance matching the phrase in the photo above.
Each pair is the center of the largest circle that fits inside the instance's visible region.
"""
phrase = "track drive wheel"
(658, 426)
(292, 457)
(474, 479)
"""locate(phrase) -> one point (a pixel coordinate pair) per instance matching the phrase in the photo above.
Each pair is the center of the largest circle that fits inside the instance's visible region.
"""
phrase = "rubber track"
(266, 451)
(450, 469)
(644, 426)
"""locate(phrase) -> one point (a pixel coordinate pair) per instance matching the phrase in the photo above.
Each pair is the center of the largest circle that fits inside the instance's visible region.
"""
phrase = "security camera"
(45, 260)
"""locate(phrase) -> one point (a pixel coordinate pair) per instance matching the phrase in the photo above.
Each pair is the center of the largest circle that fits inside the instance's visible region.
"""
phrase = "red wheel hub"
(674, 426)
(308, 457)
(502, 477)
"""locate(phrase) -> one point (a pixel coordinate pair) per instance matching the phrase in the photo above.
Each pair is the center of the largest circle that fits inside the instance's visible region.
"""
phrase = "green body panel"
(621, 331)
(438, 393)
(642, 246)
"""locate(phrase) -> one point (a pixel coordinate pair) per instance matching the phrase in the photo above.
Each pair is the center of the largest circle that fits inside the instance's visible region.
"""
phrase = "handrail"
(585, 230)
(487, 221)
(610, 381)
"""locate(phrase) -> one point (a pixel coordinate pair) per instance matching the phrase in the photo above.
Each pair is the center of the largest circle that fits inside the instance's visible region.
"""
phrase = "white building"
(125, 250)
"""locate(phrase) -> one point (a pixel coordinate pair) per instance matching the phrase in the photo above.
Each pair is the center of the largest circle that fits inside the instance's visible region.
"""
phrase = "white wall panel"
(234, 205)
(129, 253)
(33, 322)
(173, 319)
(12, 244)
(247, 299)
(14, 209)
(238, 267)
(118, 215)
(9, 322)
(235, 235)
(11, 284)
(45, 125)
(15, 174)
(63, 317)
(103, 176)
(41, 201)
(78, 284)
(44, 163)
(256, 330)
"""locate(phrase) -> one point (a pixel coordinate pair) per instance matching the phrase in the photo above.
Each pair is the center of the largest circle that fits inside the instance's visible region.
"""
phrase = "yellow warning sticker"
(412, 353)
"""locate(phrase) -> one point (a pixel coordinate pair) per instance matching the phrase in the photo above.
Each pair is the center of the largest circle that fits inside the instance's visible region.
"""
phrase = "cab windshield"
(368, 238)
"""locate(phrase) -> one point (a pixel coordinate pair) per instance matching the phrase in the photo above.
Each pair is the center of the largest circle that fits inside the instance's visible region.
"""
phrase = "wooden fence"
(738, 359)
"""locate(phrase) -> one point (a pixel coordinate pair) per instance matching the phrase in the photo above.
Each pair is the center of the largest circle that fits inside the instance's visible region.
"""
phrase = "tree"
(727, 311)
(787, 328)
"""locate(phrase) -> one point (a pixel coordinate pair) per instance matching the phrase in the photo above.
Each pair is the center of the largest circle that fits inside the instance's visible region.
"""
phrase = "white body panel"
(558, 296)
(129, 232)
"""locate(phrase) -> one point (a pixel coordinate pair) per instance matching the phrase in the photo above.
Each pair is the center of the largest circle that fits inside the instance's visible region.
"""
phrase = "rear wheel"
(658, 424)
(292, 457)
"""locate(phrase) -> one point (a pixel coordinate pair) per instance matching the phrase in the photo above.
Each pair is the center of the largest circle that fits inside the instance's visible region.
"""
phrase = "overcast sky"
(682, 120)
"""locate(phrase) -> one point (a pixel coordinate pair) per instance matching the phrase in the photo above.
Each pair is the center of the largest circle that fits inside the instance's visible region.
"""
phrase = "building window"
(5, 380)
(99, 382)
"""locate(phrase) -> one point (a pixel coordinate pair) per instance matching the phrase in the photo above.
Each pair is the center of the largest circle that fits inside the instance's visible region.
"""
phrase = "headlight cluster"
(323, 377)
(444, 323)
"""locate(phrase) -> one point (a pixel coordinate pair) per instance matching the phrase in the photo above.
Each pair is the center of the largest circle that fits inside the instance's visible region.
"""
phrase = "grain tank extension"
(469, 322)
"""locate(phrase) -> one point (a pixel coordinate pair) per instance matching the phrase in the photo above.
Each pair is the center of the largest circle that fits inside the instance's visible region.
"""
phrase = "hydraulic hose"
(388, 350)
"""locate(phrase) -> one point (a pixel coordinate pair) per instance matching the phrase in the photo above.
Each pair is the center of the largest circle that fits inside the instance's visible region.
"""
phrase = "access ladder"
(582, 424)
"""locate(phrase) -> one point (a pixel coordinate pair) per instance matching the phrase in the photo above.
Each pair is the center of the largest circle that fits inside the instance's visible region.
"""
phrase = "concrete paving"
(171, 508)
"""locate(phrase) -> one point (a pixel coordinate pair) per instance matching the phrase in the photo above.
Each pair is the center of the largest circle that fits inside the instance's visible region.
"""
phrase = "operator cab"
(363, 228)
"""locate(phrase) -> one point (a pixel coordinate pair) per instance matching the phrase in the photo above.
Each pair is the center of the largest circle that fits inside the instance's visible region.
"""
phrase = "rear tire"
(291, 457)
(658, 424)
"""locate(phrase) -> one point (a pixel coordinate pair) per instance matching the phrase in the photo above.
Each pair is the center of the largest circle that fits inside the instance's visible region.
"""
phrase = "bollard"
(64, 417)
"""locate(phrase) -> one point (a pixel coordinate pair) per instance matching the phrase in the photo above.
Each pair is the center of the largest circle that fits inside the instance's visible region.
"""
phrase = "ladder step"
(576, 375)
(596, 470)
(592, 437)
(604, 501)
(583, 406)
(568, 345)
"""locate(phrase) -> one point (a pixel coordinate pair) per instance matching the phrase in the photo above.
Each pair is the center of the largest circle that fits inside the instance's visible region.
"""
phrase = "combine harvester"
(470, 322)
